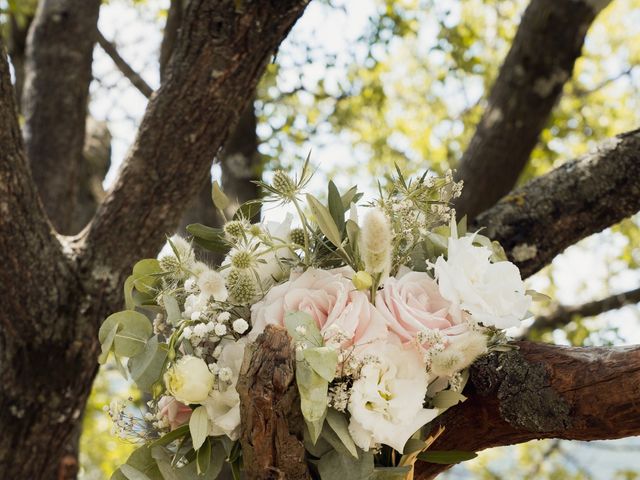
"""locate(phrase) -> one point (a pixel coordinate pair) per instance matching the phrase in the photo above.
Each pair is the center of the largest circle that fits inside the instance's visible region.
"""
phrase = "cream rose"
(330, 298)
(411, 303)
(189, 380)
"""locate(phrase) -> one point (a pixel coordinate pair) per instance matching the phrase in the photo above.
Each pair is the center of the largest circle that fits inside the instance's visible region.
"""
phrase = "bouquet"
(387, 305)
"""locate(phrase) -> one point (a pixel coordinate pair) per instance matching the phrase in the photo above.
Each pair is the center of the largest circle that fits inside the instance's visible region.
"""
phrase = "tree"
(59, 288)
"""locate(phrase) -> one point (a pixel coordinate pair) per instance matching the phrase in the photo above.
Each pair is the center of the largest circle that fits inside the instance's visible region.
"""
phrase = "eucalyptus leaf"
(142, 461)
(309, 333)
(199, 426)
(172, 436)
(324, 220)
(447, 398)
(107, 343)
(317, 448)
(323, 360)
(146, 274)
(209, 238)
(146, 368)
(446, 457)
(333, 465)
(338, 423)
(133, 473)
(172, 308)
(163, 459)
(390, 473)
(134, 329)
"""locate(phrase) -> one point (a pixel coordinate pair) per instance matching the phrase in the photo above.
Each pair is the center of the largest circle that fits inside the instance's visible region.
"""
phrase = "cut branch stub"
(272, 423)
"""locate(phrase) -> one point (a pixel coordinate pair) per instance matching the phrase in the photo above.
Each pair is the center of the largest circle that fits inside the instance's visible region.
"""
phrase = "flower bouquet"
(386, 305)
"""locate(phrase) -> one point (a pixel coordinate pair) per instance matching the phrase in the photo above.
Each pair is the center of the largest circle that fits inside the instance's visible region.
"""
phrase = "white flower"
(223, 317)
(240, 325)
(375, 242)
(225, 374)
(189, 380)
(211, 284)
(386, 403)
(200, 330)
(223, 406)
(220, 329)
(493, 293)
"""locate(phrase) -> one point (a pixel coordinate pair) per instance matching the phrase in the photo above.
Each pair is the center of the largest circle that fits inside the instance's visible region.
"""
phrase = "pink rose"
(330, 298)
(177, 413)
(411, 303)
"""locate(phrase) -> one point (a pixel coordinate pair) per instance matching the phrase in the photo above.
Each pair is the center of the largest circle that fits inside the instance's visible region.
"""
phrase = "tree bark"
(582, 197)
(272, 423)
(41, 331)
(543, 391)
(540, 61)
(58, 73)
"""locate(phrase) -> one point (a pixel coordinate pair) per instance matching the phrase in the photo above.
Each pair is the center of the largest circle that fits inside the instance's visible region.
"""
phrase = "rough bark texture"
(540, 61)
(211, 77)
(40, 328)
(170, 36)
(543, 391)
(538, 221)
(272, 423)
(564, 314)
(54, 103)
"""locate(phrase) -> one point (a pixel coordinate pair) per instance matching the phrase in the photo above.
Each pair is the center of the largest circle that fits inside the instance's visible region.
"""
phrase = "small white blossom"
(240, 325)
(224, 374)
(220, 329)
(212, 284)
(224, 317)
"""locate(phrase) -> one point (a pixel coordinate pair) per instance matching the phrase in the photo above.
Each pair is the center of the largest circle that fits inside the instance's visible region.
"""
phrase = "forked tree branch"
(134, 77)
(563, 314)
(543, 391)
(57, 76)
(540, 61)
(220, 55)
(584, 196)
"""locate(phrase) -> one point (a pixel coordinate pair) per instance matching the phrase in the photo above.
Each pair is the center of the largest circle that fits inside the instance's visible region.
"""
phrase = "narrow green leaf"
(199, 426)
(203, 457)
(133, 473)
(336, 208)
(324, 220)
(163, 460)
(348, 198)
(209, 238)
(172, 436)
(446, 457)
(220, 200)
(390, 473)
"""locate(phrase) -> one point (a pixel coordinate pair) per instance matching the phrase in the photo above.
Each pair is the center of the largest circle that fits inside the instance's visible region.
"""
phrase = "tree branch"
(539, 220)
(133, 76)
(170, 36)
(543, 391)
(541, 60)
(58, 73)
(221, 53)
(564, 314)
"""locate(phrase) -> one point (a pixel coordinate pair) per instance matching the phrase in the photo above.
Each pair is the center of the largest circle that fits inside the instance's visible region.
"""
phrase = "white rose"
(223, 404)
(386, 403)
(493, 293)
(189, 380)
